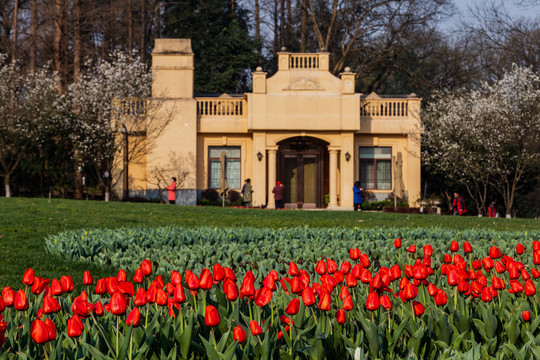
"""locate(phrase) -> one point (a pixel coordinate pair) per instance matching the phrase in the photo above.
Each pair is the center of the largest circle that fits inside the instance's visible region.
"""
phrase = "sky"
(530, 10)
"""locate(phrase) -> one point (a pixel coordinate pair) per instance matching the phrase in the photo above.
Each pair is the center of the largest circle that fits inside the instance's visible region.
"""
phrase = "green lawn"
(24, 224)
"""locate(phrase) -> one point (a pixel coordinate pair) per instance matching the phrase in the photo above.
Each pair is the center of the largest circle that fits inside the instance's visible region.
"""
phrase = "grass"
(24, 224)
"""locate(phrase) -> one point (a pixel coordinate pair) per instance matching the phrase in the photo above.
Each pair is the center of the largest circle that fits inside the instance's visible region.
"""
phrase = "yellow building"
(303, 126)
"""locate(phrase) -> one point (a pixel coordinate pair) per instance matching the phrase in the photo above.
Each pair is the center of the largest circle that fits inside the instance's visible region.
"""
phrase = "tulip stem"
(181, 320)
(213, 338)
(117, 332)
(535, 309)
(131, 346)
(147, 310)
(315, 316)
(45, 352)
(250, 313)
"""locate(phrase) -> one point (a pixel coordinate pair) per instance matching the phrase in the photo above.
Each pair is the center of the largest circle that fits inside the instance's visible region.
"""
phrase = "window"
(376, 168)
(233, 166)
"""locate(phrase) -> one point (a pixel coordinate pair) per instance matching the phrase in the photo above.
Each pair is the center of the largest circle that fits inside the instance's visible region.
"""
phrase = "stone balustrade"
(388, 108)
(304, 61)
(222, 107)
(130, 106)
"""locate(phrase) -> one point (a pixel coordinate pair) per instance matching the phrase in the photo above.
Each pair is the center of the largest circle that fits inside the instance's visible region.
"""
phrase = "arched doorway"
(302, 166)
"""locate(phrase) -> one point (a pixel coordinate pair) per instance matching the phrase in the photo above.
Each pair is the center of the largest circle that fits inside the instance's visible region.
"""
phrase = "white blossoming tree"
(28, 105)
(487, 139)
(111, 97)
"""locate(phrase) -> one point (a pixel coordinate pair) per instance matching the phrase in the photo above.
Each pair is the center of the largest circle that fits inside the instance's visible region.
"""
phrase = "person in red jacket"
(172, 191)
(492, 211)
(459, 205)
(279, 195)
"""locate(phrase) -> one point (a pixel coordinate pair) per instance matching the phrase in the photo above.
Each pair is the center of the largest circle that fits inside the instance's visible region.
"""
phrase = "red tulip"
(347, 303)
(21, 302)
(331, 266)
(269, 282)
(486, 295)
(351, 280)
(341, 316)
(526, 315)
(2, 307)
(440, 298)
(50, 305)
(151, 294)
(134, 317)
(488, 263)
(467, 247)
(146, 267)
(516, 287)
(354, 253)
(40, 331)
(365, 276)
(239, 334)
(308, 296)
(325, 302)
(344, 292)
(255, 328)
(192, 280)
(161, 297)
(412, 249)
(248, 287)
(293, 307)
(364, 261)
(126, 287)
(397, 243)
(230, 289)
(536, 257)
(409, 292)
(87, 278)
(82, 307)
(28, 277)
(345, 267)
(67, 284)
(230, 274)
(428, 250)
(320, 268)
(138, 278)
(418, 308)
(206, 279)
(530, 289)
(297, 285)
(454, 246)
(385, 302)
(75, 326)
(535, 273)
(219, 272)
(39, 285)
(118, 303)
(100, 287)
(520, 249)
(211, 316)
(293, 269)
(98, 308)
(494, 252)
(263, 296)
(373, 301)
(432, 289)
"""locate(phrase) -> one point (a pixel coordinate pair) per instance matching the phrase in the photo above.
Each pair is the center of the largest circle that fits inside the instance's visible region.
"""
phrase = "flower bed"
(451, 300)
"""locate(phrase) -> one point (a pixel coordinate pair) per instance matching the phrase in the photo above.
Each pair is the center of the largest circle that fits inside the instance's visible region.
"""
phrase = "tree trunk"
(233, 9)
(33, 35)
(14, 31)
(303, 27)
(6, 185)
(143, 31)
(57, 41)
(130, 26)
(77, 41)
(282, 23)
(258, 31)
(276, 27)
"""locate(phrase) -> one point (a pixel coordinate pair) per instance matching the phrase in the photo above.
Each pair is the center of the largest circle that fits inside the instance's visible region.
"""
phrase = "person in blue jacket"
(357, 195)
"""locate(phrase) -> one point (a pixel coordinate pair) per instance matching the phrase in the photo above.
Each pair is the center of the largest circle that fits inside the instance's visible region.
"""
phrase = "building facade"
(303, 127)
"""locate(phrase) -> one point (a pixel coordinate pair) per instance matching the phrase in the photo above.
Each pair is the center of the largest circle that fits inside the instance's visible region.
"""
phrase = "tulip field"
(281, 293)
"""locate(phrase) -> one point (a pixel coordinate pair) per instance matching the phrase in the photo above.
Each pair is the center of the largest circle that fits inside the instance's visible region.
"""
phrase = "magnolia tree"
(487, 139)
(29, 105)
(110, 103)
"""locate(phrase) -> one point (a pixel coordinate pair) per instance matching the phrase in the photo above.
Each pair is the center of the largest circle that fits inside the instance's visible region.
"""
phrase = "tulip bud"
(239, 334)
(526, 316)
(28, 277)
(211, 316)
(341, 316)
(134, 317)
(255, 328)
(75, 326)
(87, 278)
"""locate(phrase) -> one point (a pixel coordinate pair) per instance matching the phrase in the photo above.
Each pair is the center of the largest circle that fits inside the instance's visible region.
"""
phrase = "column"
(271, 176)
(333, 177)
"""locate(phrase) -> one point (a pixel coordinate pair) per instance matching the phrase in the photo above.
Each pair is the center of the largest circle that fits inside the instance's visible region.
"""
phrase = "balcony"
(222, 114)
